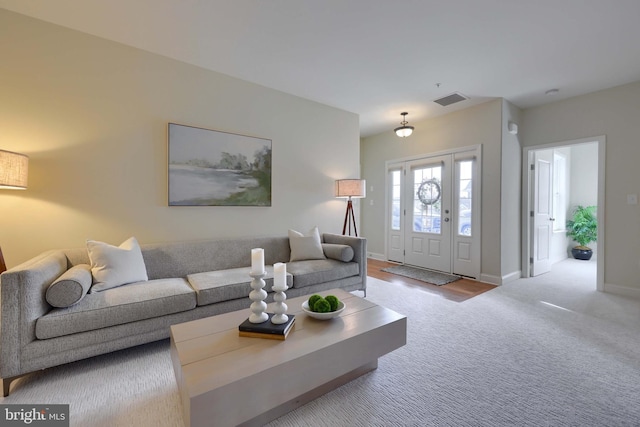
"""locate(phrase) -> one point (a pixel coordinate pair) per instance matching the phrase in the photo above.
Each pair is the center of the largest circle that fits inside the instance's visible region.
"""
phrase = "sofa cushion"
(311, 272)
(307, 246)
(342, 253)
(225, 285)
(70, 287)
(124, 304)
(113, 266)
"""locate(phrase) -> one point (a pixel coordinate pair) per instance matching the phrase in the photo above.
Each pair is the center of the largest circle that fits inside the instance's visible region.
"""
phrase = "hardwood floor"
(458, 291)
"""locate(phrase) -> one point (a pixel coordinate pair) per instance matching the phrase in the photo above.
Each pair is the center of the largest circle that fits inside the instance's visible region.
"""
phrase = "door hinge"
(531, 260)
(531, 214)
(533, 167)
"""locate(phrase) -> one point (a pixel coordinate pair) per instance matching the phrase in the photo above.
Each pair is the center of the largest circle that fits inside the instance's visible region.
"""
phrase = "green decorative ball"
(333, 301)
(322, 306)
(312, 301)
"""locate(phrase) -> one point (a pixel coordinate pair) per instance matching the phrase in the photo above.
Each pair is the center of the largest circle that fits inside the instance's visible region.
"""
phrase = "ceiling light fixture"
(404, 130)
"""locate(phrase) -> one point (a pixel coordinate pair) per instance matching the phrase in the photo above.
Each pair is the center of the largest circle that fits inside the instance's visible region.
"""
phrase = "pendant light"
(404, 130)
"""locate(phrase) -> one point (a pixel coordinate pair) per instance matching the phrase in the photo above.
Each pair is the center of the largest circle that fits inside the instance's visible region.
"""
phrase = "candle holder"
(257, 295)
(280, 307)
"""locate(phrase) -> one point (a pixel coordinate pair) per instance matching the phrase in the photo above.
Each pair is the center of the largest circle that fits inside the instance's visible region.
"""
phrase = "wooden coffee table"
(226, 380)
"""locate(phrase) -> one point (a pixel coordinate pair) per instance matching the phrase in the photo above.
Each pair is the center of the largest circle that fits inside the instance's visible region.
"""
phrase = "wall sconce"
(14, 168)
(349, 188)
(404, 130)
(513, 128)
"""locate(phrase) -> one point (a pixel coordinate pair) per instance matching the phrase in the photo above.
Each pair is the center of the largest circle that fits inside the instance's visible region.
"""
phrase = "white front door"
(542, 211)
(433, 213)
(428, 217)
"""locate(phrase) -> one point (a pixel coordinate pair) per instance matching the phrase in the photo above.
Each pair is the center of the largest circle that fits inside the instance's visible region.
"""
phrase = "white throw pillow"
(113, 266)
(307, 246)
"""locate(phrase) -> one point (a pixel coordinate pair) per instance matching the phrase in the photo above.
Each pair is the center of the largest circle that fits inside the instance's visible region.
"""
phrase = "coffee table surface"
(225, 379)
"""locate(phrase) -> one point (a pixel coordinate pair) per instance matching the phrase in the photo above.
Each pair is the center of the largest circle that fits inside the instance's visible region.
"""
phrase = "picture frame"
(213, 168)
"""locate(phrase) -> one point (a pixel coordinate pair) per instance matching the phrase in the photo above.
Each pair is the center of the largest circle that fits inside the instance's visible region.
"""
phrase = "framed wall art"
(213, 168)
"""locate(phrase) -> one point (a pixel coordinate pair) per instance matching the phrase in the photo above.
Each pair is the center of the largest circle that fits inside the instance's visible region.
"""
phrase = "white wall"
(92, 115)
(475, 125)
(584, 179)
(511, 187)
(584, 174)
(614, 113)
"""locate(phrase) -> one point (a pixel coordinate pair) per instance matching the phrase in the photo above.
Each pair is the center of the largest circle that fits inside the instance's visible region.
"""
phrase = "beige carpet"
(547, 351)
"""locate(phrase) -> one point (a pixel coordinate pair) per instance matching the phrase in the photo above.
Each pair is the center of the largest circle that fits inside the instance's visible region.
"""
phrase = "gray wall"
(511, 187)
(475, 125)
(92, 115)
(614, 113)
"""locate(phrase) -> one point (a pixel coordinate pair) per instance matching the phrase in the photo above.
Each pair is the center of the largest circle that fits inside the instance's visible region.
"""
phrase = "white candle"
(280, 275)
(257, 261)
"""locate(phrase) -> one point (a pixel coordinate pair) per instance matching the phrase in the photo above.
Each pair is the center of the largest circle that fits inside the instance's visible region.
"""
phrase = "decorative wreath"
(429, 192)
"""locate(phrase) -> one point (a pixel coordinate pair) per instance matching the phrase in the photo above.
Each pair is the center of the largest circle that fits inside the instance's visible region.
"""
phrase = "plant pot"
(582, 253)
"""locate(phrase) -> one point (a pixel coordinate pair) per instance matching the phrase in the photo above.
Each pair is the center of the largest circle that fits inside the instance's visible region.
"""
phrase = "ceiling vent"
(450, 99)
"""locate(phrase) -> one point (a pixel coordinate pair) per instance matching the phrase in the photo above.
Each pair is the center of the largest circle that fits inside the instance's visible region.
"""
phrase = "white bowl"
(322, 316)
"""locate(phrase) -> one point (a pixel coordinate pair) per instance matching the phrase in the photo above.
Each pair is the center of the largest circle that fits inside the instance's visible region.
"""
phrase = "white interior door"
(542, 211)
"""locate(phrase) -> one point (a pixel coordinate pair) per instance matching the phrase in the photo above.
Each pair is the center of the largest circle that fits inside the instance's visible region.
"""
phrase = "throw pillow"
(113, 266)
(307, 246)
(70, 287)
(342, 253)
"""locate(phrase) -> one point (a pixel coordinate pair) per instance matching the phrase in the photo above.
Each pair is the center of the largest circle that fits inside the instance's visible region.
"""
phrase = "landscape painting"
(212, 168)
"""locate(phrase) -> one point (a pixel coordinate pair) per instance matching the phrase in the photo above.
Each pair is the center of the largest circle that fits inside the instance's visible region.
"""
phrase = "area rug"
(423, 275)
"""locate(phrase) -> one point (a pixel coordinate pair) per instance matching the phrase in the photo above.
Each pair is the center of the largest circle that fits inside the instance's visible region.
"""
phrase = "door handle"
(552, 219)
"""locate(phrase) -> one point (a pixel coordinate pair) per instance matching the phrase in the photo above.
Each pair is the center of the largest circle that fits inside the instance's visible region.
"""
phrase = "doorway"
(433, 212)
(556, 178)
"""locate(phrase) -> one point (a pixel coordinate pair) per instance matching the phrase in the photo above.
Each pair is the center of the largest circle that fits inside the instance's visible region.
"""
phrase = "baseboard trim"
(379, 257)
(511, 277)
(622, 290)
(491, 279)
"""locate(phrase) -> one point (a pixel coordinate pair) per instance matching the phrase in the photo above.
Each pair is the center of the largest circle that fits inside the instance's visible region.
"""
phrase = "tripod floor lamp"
(350, 188)
(13, 176)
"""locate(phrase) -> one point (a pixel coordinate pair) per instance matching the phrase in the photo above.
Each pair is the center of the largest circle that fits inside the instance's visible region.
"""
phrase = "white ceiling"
(378, 58)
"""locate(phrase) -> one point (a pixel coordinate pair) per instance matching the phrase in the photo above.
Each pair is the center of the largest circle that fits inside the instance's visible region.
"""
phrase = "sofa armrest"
(359, 245)
(23, 290)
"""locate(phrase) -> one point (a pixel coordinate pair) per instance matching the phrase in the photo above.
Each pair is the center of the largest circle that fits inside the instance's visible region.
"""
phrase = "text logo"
(34, 415)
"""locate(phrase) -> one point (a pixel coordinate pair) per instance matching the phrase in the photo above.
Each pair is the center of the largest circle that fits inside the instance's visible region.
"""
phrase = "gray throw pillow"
(342, 253)
(307, 246)
(71, 287)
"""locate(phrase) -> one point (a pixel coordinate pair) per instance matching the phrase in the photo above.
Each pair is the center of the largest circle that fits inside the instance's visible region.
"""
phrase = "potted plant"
(583, 229)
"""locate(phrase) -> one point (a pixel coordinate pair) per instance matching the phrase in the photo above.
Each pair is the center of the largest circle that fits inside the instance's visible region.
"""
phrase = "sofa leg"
(6, 384)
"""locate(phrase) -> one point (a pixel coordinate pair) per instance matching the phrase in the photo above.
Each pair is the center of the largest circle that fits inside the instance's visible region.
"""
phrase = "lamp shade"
(14, 168)
(351, 188)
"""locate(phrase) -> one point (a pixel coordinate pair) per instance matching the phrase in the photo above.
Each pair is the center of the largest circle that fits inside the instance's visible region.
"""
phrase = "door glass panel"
(465, 197)
(395, 200)
(426, 199)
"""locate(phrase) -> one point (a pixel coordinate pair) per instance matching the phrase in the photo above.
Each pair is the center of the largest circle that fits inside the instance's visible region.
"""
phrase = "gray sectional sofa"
(186, 281)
